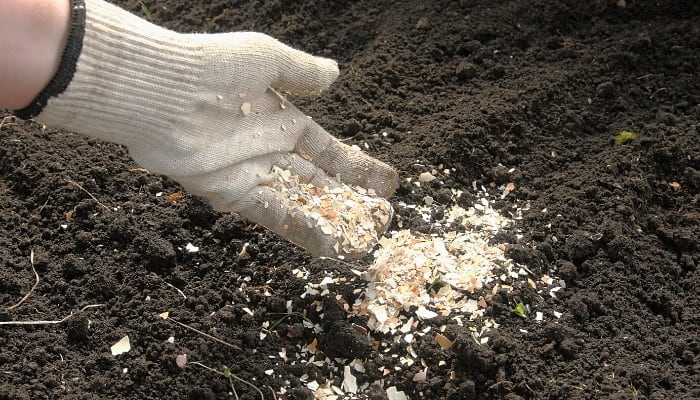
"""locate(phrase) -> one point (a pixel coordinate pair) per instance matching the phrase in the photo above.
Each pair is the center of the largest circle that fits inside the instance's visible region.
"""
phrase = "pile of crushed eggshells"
(354, 216)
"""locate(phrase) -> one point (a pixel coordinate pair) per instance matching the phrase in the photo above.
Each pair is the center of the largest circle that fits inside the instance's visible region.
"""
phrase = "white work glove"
(206, 111)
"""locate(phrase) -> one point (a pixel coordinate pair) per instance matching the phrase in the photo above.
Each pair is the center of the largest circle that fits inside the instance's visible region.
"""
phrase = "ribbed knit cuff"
(66, 68)
(133, 79)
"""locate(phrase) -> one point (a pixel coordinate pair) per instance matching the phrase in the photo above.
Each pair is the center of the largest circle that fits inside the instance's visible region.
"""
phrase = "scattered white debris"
(451, 272)
(326, 281)
(445, 268)
(553, 291)
(245, 108)
(352, 215)
(421, 376)
(424, 313)
(426, 177)
(181, 360)
(507, 189)
(378, 312)
(349, 380)
(313, 385)
(121, 347)
(393, 394)
(358, 365)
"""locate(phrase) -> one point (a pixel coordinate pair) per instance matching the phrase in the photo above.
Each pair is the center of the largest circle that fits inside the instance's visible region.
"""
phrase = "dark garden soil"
(528, 92)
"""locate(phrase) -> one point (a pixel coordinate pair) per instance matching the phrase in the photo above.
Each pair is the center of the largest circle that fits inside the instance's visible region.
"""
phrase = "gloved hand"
(206, 110)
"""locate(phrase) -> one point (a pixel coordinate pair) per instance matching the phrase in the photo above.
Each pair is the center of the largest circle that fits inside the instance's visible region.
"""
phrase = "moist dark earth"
(528, 92)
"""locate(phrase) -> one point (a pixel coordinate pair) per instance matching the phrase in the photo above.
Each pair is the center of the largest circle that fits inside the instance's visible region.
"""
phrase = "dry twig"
(76, 184)
(176, 288)
(50, 322)
(165, 316)
(7, 121)
(36, 275)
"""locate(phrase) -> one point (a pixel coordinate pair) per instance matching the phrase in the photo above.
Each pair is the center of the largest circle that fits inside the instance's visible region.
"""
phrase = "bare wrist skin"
(34, 35)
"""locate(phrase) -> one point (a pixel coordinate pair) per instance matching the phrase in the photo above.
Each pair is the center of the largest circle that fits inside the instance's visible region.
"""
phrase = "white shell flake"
(121, 347)
(444, 268)
(245, 108)
(352, 215)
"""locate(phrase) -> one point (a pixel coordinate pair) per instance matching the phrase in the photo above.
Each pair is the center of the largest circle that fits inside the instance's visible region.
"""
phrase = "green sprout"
(352, 69)
(624, 137)
(520, 309)
(226, 373)
(146, 12)
(287, 316)
(435, 284)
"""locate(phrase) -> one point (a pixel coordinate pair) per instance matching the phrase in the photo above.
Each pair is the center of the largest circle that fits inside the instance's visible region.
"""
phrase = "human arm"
(33, 33)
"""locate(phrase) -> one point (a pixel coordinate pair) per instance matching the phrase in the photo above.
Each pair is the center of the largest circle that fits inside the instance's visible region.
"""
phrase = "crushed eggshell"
(354, 216)
(181, 360)
(313, 385)
(426, 177)
(121, 347)
(394, 394)
(421, 376)
(349, 380)
(459, 262)
(326, 281)
(424, 313)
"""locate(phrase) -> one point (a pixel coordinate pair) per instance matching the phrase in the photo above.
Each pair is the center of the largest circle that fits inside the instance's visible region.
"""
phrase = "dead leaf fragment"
(443, 341)
(175, 198)
(675, 186)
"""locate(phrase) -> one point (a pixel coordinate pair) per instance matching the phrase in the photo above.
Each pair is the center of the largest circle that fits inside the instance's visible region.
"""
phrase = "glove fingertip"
(309, 75)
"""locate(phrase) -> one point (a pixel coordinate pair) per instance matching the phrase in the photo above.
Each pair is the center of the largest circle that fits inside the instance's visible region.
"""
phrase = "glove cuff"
(67, 66)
